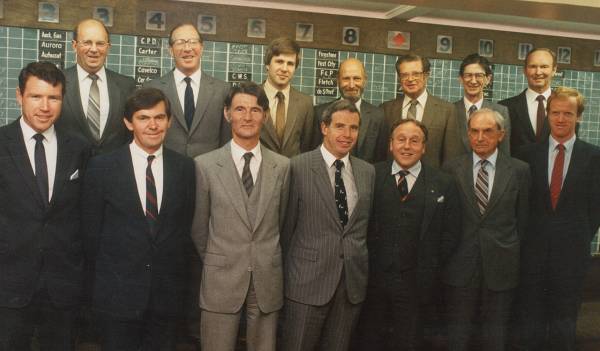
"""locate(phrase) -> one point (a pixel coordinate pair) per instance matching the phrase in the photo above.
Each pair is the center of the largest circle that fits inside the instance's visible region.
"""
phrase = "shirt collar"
(139, 152)
(330, 159)
(532, 95)
(552, 143)
(468, 104)
(414, 170)
(28, 132)
(238, 152)
(422, 99)
(179, 76)
(491, 159)
(83, 74)
(271, 91)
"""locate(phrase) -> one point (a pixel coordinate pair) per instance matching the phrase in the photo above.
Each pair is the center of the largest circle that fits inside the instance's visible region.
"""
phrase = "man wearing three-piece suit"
(324, 237)
(483, 272)
(414, 227)
(41, 247)
(137, 208)
(242, 191)
(372, 144)
(93, 104)
(565, 216)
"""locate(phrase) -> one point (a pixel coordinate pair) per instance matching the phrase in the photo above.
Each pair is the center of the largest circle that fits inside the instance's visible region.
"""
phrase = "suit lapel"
(502, 177)
(268, 177)
(431, 196)
(269, 133)
(64, 160)
(128, 183)
(20, 157)
(170, 172)
(231, 183)
(465, 179)
(73, 102)
(114, 100)
(169, 88)
(360, 179)
(205, 95)
(462, 123)
(577, 161)
(323, 184)
(430, 112)
(523, 112)
(291, 118)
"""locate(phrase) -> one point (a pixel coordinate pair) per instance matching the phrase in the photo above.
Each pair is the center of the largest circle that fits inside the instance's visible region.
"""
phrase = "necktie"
(557, 175)
(93, 110)
(541, 116)
(412, 110)
(151, 203)
(280, 115)
(189, 108)
(403, 184)
(340, 193)
(246, 175)
(472, 109)
(482, 186)
(41, 168)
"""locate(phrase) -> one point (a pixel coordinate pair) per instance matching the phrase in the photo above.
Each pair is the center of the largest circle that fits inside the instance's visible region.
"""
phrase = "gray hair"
(498, 118)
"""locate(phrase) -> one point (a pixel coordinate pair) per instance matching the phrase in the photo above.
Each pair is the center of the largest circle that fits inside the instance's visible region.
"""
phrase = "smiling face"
(149, 127)
(280, 70)
(412, 78)
(539, 71)
(407, 144)
(474, 80)
(186, 55)
(484, 134)
(562, 116)
(352, 79)
(340, 135)
(246, 118)
(40, 103)
(92, 45)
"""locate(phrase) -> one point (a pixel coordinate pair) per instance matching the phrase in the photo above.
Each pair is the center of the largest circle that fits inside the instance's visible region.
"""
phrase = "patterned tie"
(189, 108)
(280, 115)
(557, 175)
(403, 184)
(151, 203)
(41, 168)
(412, 110)
(482, 186)
(472, 109)
(93, 110)
(340, 193)
(246, 175)
(541, 116)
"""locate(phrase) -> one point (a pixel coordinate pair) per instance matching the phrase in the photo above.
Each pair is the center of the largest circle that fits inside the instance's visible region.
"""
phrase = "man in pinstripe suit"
(324, 237)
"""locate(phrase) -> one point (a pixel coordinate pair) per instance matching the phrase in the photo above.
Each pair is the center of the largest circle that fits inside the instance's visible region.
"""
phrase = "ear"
(19, 97)
(128, 124)
(226, 114)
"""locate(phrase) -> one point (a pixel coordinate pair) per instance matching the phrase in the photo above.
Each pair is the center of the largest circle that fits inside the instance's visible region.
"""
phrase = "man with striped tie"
(137, 208)
(483, 271)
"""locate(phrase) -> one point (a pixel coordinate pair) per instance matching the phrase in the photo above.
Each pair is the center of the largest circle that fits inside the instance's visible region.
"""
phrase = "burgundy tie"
(541, 116)
(557, 175)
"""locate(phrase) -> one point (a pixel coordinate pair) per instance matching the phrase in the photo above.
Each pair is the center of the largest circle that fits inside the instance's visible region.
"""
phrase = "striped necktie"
(151, 202)
(93, 110)
(482, 186)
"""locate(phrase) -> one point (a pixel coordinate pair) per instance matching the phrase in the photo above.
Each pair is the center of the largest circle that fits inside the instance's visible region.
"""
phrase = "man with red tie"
(565, 216)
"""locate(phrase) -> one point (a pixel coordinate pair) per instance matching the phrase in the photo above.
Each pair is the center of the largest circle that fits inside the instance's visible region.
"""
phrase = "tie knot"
(93, 77)
(483, 163)
(248, 156)
(472, 109)
(150, 159)
(39, 137)
(280, 96)
(560, 147)
(540, 98)
(339, 164)
(187, 80)
(414, 102)
(403, 173)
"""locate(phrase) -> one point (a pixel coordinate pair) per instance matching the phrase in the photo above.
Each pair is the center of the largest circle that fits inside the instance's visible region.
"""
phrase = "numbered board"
(350, 36)
(156, 20)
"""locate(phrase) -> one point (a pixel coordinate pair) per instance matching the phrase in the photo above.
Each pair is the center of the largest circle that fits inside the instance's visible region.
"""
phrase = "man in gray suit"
(483, 271)
(373, 133)
(475, 73)
(324, 237)
(198, 126)
(95, 98)
(242, 191)
(436, 114)
(288, 129)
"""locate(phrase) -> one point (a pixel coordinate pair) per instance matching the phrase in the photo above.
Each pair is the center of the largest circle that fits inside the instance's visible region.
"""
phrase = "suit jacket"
(316, 246)
(234, 245)
(491, 240)
(521, 132)
(558, 241)
(209, 128)
(40, 243)
(131, 265)
(439, 232)
(73, 116)
(297, 135)
(373, 133)
(439, 116)
(461, 114)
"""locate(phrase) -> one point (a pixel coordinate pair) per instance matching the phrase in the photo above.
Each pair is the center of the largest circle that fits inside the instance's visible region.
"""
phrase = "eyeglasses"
(477, 76)
(181, 42)
(411, 75)
(88, 44)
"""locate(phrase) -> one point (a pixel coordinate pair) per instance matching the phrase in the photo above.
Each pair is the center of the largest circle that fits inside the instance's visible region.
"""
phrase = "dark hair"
(411, 58)
(544, 50)
(280, 46)
(76, 29)
(338, 105)
(46, 71)
(145, 98)
(179, 25)
(400, 122)
(475, 59)
(249, 88)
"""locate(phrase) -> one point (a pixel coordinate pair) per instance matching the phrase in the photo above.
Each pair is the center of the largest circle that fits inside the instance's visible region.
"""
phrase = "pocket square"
(75, 175)
(440, 199)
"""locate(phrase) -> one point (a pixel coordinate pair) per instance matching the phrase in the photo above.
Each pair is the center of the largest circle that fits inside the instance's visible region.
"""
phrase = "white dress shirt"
(50, 149)
(271, 92)
(553, 152)
(422, 100)
(180, 84)
(139, 158)
(490, 168)
(237, 153)
(532, 105)
(85, 83)
(347, 177)
(411, 177)
(468, 105)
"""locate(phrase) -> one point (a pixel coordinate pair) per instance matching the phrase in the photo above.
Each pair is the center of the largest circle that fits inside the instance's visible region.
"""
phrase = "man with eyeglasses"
(437, 115)
(475, 73)
(93, 104)
(483, 271)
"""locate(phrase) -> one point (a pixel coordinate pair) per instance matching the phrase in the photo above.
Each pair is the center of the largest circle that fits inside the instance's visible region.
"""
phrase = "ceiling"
(566, 18)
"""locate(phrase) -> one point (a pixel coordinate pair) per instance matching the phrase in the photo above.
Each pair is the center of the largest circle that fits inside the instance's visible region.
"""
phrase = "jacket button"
(148, 267)
(249, 268)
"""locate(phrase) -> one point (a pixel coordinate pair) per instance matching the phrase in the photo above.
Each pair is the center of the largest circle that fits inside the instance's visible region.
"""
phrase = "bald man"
(372, 134)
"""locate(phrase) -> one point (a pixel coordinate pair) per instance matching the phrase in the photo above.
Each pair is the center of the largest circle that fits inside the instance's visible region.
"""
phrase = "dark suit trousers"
(476, 303)
(152, 333)
(390, 319)
(324, 328)
(54, 325)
